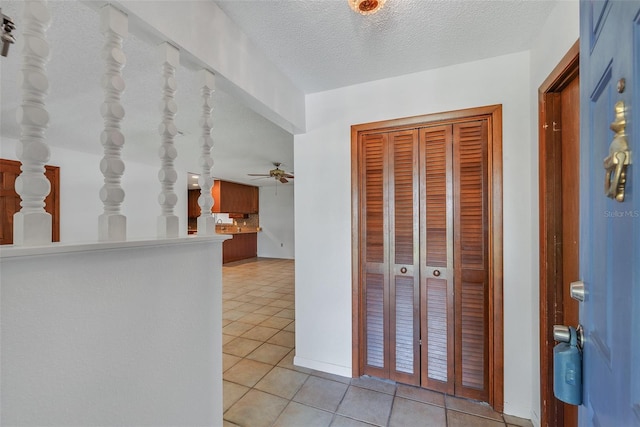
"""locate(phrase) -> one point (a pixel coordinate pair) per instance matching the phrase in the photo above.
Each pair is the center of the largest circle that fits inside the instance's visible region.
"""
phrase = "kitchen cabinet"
(229, 197)
(242, 246)
(193, 208)
(234, 198)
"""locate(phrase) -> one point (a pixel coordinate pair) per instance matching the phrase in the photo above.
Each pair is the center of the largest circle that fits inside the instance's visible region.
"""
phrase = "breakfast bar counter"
(243, 245)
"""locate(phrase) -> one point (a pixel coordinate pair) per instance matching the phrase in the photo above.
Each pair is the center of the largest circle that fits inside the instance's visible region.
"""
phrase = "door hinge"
(419, 342)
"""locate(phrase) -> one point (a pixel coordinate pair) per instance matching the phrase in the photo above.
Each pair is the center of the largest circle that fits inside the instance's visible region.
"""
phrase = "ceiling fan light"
(277, 173)
(366, 7)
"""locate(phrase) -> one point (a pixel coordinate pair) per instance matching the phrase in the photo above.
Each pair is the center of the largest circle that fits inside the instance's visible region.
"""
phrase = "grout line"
(236, 277)
(446, 414)
(393, 402)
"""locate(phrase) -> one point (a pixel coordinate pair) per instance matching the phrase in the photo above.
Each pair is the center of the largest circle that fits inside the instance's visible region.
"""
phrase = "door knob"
(562, 333)
(403, 270)
(576, 289)
(436, 273)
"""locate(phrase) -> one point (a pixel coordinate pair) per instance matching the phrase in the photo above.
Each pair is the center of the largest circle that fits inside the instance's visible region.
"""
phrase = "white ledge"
(10, 251)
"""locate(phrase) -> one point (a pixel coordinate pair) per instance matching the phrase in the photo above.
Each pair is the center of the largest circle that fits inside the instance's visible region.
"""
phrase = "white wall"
(276, 240)
(323, 205)
(556, 37)
(215, 42)
(112, 334)
(80, 205)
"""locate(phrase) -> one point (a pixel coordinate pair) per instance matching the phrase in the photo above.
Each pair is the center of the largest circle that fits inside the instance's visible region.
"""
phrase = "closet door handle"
(436, 273)
(403, 270)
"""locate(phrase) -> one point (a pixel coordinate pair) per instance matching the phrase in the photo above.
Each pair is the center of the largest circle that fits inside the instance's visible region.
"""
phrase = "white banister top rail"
(12, 251)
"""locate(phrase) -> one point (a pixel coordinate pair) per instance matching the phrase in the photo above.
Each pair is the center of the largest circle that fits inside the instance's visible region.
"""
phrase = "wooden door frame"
(53, 174)
(493, 114)
(550, 188)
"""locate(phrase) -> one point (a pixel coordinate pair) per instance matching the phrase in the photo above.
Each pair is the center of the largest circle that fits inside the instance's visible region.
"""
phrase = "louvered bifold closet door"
(470, 259)
(390, 284)
(375, 253)
(436, 258)
(404, 316)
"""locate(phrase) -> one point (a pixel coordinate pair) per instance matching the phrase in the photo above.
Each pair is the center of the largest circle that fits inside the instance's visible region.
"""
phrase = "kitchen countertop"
(237, 230)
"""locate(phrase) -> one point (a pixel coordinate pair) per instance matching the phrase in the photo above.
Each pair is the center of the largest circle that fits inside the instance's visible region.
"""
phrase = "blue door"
(610, 223)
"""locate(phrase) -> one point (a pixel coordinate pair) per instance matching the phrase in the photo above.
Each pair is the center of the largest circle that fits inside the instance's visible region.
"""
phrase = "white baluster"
(206, 222)
(32, 225)
(167, 221)
(112, 225)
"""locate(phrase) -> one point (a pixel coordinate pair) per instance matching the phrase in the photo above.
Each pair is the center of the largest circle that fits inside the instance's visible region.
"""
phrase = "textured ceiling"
(322, 44)
(319, 44)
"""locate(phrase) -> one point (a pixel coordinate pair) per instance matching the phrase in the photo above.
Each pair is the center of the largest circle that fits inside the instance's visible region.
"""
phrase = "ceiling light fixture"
(366, 7)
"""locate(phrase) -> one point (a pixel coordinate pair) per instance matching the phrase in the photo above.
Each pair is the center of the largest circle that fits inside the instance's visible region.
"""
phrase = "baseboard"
(535, 419)
(343, 371)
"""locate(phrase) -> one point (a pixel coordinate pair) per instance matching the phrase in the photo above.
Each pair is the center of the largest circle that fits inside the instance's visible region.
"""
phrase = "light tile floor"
(262, 387)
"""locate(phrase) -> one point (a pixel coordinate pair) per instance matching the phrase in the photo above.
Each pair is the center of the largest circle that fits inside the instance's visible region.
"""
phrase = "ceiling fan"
(276, 173)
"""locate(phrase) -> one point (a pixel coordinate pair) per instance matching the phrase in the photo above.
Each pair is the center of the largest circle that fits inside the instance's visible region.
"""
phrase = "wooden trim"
(550, 181)
(493, 113)
(357, 362)
(53, 174)
(566, 70)
(54, 177)
(496, 300)
(429, 119)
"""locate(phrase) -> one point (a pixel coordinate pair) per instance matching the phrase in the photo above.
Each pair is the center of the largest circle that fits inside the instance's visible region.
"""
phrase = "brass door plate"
(615, 165)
